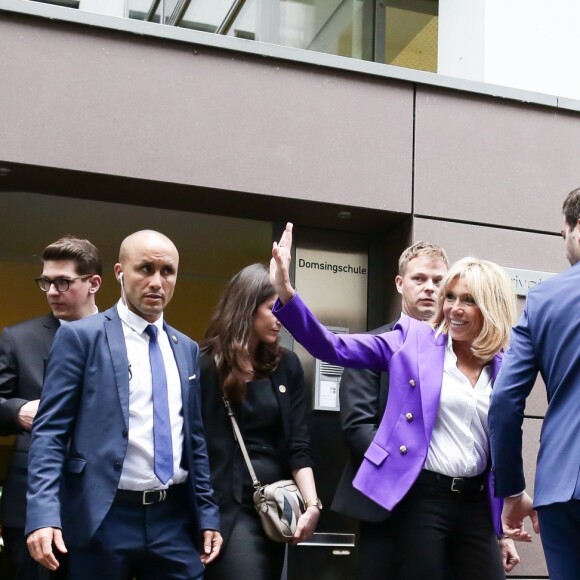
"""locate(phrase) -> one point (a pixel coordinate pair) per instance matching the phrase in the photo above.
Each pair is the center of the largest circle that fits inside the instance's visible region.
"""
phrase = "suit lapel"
(431, 355)
(182, 367)
(116, 343)
(49, 327)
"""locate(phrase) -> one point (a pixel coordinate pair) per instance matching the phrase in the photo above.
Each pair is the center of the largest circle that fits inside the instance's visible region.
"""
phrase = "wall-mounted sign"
(334, 284)
(524, 280)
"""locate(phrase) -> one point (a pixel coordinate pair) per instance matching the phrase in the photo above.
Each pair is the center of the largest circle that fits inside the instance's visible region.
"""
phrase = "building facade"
(112, 124)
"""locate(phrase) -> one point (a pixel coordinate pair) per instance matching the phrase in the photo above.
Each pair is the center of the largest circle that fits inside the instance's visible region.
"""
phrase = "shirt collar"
(449, 348)
(134, 321)
(451, 358)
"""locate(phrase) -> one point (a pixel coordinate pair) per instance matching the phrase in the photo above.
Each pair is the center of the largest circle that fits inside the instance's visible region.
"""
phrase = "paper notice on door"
(328, 394)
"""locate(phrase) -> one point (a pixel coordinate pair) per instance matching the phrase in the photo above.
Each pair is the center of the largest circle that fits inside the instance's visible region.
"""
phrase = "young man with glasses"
(71, 276)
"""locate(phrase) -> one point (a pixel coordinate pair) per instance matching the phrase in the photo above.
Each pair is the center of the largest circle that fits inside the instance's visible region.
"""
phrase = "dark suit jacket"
(363, 398)
(24, 349)
(226, 461)
(79, 438)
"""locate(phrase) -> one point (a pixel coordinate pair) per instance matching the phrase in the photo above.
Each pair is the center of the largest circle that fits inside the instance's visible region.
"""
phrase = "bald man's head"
(147, 270)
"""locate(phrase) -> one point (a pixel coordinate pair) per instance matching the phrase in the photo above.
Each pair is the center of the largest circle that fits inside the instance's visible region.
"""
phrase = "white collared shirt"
(459, 445)
(137, 471)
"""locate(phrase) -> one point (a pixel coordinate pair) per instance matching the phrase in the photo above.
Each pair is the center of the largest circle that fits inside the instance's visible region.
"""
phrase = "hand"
(509, 554)
(212, 544)
(515, 511)
(40, 543)
(280, 266)
(26, 414)
(306, 525)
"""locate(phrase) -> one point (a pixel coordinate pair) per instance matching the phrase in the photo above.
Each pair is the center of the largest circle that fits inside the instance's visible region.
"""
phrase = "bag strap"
(240, 440)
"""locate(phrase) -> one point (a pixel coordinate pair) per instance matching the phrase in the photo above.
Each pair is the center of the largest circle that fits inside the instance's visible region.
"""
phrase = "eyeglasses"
(61, 284)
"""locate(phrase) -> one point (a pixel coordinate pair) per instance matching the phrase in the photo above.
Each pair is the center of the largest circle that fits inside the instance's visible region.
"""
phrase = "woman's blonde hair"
(495, 297)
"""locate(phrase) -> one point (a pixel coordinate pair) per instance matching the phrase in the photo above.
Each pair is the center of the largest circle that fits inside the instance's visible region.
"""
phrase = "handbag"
(280, 504)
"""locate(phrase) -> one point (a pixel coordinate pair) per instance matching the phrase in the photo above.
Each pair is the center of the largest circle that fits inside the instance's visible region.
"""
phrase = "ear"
(94, 284)
(117, 268)
(399, 284)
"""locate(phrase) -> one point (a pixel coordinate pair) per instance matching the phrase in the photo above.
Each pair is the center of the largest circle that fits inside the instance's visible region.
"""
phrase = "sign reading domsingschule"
(334, 268)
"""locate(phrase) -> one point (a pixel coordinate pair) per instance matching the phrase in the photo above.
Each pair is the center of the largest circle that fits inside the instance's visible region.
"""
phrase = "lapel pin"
(174, 338)
(282, 388)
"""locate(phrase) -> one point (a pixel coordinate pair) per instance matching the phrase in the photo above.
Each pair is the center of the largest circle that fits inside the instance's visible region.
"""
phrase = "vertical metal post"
(379, 31)
(374, 28)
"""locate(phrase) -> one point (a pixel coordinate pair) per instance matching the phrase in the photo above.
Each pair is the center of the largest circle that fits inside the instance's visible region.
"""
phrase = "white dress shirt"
(137, 473)
(459, 444)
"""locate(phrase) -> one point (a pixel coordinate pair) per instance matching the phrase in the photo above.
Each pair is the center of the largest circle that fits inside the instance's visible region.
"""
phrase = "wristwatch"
(313, 503)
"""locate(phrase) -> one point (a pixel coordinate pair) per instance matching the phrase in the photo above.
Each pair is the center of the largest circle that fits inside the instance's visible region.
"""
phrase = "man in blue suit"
(545, 340)
(119, 473)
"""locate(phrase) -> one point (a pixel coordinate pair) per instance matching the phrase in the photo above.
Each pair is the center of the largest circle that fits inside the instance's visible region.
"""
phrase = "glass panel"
(340, 27)
(138, 9)
(205, 15)
(411, 35)
(246, 25)
(331, 26)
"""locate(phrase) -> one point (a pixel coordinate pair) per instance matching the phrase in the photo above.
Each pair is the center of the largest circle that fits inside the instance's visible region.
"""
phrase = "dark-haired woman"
(242, 359)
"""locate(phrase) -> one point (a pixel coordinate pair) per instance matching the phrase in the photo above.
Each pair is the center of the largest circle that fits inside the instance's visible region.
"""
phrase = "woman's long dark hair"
(231, 331)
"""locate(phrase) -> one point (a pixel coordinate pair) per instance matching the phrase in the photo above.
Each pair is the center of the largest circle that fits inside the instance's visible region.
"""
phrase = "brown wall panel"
(116, 103)
(509, 248)
(493, 161)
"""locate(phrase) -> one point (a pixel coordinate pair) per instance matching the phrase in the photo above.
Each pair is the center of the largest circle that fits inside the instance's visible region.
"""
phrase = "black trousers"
(376, 558)
(437, 535)
(376, 552)
(248, 554)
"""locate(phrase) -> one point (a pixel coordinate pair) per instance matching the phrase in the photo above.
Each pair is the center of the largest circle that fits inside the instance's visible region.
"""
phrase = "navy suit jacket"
(545, 340)
(24, 349)
(79, 438)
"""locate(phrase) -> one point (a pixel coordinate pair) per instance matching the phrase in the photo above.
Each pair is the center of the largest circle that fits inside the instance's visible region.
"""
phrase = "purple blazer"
(414, 357)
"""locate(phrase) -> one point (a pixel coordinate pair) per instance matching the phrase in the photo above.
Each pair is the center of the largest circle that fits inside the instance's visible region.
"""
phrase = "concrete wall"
(106, 102)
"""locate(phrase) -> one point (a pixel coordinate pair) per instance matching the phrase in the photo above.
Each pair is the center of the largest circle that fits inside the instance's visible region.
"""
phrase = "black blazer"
(363, 398)
(225, 457)
(24, 349)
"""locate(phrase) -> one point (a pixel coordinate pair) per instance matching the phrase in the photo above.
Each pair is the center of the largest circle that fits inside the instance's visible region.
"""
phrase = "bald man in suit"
(119, 473)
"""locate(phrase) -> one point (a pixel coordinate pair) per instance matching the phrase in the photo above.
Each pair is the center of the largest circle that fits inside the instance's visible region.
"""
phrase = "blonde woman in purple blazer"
(429, 463)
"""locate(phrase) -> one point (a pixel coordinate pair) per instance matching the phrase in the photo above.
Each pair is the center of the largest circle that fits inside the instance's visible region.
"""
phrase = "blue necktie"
(163, 448)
